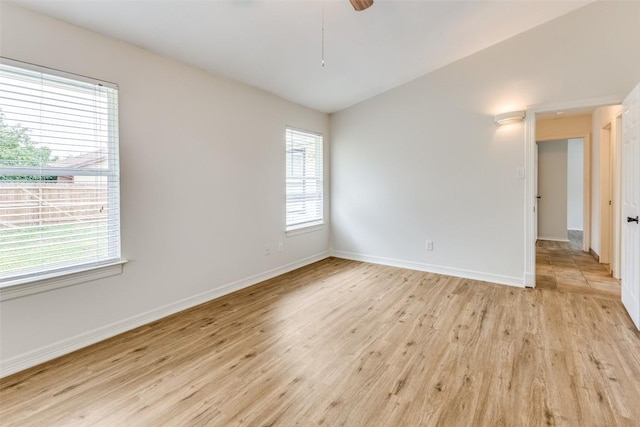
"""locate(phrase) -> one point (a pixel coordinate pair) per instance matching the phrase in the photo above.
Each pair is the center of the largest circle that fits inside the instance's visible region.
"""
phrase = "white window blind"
(59, 176)
(305, 185)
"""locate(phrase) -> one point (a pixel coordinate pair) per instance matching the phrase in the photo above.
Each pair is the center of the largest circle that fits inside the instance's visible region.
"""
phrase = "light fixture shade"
(509, 118)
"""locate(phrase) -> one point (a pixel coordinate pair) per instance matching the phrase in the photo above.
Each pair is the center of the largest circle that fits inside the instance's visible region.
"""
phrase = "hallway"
(563, 266)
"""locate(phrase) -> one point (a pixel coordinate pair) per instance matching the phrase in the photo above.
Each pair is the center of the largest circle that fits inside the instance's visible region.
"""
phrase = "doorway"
(606, 242)
(564, 185)
(592, 212)
(561, 190)
(611, 136)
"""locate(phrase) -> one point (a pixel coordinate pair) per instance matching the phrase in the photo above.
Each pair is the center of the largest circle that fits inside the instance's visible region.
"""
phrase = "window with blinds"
(59, 177)
(304, 182)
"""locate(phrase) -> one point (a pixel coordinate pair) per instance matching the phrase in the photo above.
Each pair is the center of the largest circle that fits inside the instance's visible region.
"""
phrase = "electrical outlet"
(267, 250)
(428, 245)
(280, 247)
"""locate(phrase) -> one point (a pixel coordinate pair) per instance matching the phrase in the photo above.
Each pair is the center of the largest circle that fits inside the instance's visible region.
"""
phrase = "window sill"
(21, 288)
(305, 229)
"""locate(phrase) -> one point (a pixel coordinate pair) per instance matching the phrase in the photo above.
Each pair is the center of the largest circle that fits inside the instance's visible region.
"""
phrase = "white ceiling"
(276, 45)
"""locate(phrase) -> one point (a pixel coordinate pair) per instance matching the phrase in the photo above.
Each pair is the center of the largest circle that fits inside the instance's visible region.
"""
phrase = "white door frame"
(610, 214)
(530, 168)
(617, 197)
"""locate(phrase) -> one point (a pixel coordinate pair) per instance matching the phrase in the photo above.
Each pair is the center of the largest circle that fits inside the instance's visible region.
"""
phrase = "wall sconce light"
(509, 118)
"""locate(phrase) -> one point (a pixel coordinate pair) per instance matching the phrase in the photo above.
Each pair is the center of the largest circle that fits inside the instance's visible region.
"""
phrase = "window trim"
(306, 228)
(54, 279)
(57, 72)
(23, 287)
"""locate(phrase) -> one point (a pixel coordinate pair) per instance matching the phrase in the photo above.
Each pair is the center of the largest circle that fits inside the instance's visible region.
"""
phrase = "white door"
(630, 262)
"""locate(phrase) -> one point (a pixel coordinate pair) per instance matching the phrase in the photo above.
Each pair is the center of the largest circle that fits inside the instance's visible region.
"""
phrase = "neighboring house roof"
(80, 160)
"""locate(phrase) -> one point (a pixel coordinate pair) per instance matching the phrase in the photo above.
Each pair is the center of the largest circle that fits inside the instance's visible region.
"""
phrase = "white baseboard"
(449, 271)
(553, 239)
(60, 348)
(529, 280)
(575, 229)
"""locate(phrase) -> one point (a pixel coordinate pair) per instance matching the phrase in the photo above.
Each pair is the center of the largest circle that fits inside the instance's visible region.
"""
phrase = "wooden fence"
(28, 204)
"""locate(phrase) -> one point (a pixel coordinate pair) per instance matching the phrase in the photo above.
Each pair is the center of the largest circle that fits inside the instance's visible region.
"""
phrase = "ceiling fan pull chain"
(322, 33)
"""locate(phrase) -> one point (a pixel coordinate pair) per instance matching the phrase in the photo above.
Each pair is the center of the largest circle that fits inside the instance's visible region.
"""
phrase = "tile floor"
(563, 266)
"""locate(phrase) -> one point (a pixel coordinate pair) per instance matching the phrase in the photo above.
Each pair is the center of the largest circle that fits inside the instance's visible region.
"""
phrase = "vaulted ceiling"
(277, 45)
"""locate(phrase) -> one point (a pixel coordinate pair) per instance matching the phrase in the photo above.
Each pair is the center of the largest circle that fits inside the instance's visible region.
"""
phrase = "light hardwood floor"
(354, 344)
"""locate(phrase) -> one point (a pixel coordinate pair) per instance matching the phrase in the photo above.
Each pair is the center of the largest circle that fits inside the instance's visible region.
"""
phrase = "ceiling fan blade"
(361, 4)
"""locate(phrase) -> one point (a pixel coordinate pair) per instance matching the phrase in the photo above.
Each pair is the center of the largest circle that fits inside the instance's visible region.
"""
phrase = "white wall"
(425, 161)
(202, 160)
(575, 180)
(552, 188)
